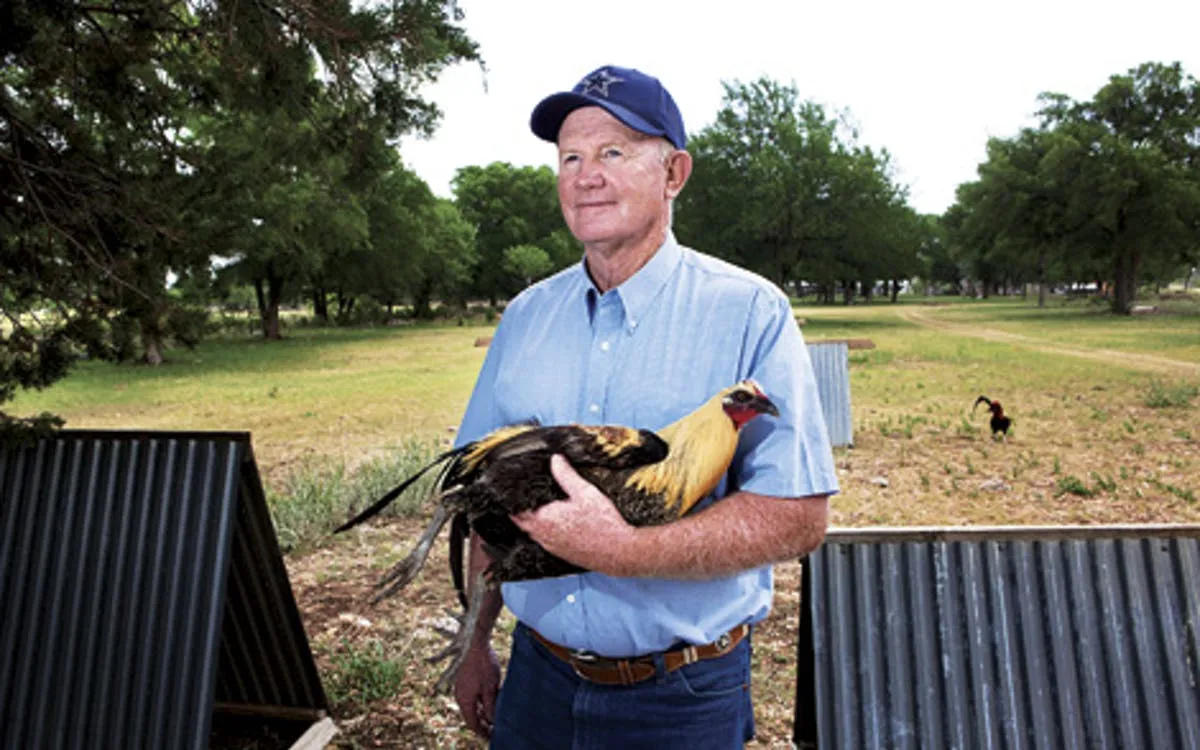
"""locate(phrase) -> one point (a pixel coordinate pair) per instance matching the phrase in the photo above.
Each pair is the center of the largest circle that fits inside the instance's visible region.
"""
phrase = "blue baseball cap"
(636, 99)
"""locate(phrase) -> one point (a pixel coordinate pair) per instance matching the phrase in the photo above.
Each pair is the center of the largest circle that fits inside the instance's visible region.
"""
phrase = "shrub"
(321, 494)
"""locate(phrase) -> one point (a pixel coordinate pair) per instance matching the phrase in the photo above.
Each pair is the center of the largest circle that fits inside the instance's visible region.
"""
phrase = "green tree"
(782, 188)
(527, 262)
(511, 206)
(446, 258)
(1130, 164)
(103, 186)
(1106, 189)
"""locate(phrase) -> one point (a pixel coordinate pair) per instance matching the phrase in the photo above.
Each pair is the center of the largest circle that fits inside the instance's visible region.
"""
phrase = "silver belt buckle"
(722, 643)
(587, 657)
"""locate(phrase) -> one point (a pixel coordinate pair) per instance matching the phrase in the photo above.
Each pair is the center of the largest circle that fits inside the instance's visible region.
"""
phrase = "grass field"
(1105, 431)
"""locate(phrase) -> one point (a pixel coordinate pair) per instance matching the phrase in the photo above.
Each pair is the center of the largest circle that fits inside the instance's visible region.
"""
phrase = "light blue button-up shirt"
(644, 354)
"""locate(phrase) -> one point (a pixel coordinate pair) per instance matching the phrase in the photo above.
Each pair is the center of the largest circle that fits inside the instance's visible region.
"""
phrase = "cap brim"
(549, 114)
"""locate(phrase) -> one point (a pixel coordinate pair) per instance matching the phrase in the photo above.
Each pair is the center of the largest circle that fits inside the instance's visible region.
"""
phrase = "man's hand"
(585, 529)
(741, 531)
(476, 687)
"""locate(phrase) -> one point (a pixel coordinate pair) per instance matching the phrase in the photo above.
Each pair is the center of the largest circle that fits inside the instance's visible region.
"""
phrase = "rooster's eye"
(741, 397)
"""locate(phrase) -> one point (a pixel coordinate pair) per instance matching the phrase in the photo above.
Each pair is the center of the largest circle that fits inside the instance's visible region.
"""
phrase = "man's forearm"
(478, 561)
(739, 532)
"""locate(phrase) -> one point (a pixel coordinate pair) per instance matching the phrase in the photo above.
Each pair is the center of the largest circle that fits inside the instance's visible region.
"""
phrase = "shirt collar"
(639, 290)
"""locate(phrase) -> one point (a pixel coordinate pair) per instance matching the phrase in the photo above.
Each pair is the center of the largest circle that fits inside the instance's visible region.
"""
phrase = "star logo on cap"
(599, 82)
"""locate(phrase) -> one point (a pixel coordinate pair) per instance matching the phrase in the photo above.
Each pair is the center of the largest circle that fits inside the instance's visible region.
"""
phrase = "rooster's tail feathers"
(396, 491)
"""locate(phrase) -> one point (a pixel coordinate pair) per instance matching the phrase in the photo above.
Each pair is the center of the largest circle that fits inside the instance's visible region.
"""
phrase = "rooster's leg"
(459, 644)
(401, 575)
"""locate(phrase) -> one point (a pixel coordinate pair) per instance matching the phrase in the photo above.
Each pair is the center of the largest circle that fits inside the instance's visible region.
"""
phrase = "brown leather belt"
(604, 671)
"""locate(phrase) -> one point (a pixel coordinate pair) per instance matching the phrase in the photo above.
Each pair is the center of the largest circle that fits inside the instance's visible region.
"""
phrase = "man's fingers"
(566, 476)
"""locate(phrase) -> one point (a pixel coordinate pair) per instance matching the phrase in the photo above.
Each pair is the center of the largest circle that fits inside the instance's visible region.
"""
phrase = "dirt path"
(1144, 362)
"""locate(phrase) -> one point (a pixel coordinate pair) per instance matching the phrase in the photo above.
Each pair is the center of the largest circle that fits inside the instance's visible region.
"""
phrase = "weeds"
(362, 673)
(906, 426)
(1073, 485)
(966, 429)
(321, 494)
(1186, 495)
(1159, 395)
(1103, 483)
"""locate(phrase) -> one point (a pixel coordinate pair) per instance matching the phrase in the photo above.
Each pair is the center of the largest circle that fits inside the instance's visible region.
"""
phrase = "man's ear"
(679, 169)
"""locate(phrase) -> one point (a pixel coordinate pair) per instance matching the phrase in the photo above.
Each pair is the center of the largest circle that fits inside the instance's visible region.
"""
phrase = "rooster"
(999, 422)
(652, 478)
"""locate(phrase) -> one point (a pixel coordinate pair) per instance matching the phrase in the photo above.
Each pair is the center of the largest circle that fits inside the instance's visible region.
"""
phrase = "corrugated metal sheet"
(831, 366)
(265, 657)
(1078, 637)
(116, 549)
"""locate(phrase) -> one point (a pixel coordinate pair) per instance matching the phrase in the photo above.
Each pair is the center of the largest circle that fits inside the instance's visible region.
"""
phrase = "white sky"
(928, 80)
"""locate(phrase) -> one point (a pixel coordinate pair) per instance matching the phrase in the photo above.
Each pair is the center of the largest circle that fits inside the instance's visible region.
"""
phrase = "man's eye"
(569, 159)
(611, 153)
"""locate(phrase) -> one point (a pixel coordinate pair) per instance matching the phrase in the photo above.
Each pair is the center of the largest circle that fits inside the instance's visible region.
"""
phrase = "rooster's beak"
(763, 405)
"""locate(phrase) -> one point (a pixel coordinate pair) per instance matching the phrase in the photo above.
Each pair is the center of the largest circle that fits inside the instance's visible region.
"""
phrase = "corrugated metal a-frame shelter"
(1001, 638)
(144, 598)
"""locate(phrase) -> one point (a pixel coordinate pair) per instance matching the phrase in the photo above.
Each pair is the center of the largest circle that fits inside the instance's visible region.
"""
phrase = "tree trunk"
(345, 304)
(422, 299)
(1041, 279)
(847, 292)
(1124, 281)
(895, 290)
(261, 297)
(320, 304)
(152, 342)
(1124, 271)
(271, 318)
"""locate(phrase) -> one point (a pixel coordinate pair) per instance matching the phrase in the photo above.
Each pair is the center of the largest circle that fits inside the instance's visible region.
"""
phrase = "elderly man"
(639, 333)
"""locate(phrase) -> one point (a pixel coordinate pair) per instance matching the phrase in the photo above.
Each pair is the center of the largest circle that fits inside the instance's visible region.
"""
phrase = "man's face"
(612, 180)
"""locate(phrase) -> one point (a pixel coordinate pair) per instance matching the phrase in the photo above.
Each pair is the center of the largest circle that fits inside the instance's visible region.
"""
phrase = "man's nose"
(590, 174)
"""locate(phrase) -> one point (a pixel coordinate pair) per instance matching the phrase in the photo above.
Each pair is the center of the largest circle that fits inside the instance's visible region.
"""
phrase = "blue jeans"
(544, 704)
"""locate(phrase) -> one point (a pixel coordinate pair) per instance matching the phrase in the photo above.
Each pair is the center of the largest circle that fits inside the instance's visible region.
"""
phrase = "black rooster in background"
(999, 422)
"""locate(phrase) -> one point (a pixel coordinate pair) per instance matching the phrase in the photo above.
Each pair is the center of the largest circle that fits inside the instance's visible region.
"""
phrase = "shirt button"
(571, 598)
(604, 346)
(594, 408)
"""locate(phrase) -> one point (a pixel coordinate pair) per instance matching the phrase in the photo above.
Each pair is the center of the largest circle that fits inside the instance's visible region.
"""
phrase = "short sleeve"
(483, 414)
(788, 455)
